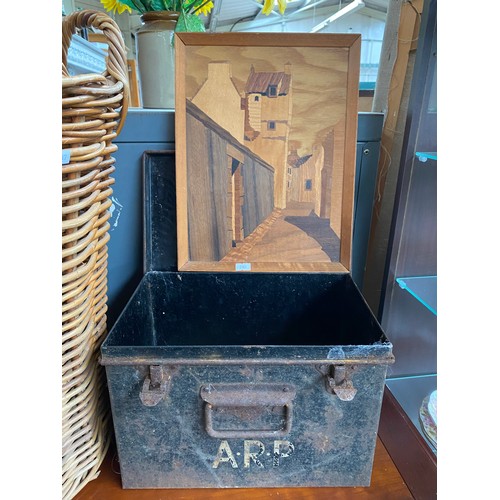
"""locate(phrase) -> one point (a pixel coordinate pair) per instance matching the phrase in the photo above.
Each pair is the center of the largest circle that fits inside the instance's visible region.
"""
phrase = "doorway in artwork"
(237, 201)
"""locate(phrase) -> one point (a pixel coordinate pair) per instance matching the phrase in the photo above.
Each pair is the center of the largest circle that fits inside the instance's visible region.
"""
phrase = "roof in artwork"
(259, 82)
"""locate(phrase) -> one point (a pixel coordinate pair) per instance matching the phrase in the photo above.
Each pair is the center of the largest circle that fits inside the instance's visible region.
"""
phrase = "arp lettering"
(254, 454)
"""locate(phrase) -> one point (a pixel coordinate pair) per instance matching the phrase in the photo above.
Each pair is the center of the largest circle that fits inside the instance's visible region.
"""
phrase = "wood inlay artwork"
(265, 138)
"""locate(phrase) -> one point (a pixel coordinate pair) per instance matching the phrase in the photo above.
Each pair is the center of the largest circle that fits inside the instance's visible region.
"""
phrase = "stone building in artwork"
(259, 116)
(219, 98)
(268, 116)
(304, 177)
(234, 186)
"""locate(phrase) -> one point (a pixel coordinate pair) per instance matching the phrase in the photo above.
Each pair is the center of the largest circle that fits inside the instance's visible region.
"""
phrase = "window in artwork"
(272, 91)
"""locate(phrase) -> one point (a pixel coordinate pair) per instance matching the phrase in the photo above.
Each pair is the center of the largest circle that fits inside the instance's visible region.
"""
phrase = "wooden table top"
(386, 483)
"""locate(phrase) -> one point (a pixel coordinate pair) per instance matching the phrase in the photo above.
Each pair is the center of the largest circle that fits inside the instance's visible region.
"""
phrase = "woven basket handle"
(116, 61)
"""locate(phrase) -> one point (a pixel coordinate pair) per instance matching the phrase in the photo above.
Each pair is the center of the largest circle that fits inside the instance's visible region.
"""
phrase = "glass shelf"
(423, 288)
(424, 156)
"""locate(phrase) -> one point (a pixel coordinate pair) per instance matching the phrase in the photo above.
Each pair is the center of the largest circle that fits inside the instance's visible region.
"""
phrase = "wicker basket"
(94, 107)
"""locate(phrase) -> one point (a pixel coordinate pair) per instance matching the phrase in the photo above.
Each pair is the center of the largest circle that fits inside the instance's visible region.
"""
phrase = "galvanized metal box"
(246, 380)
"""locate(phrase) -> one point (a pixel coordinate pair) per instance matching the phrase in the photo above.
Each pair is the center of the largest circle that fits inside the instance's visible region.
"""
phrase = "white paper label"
(66, 155)
(243, 266)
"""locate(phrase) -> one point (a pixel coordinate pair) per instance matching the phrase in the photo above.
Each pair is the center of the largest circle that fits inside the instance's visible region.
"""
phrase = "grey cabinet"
(367, 156)
(144, 130)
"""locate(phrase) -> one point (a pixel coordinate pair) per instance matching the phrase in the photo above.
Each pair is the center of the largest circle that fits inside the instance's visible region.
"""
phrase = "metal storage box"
(240, 379)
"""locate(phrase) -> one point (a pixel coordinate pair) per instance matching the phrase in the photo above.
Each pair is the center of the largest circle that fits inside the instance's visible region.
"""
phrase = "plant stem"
(189, 6)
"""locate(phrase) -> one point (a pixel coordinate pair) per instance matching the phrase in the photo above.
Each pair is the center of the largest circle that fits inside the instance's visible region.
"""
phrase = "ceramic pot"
(155, 59)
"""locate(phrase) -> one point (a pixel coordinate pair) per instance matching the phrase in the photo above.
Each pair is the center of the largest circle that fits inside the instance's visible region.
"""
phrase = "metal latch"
(156, 386)
(338, 381)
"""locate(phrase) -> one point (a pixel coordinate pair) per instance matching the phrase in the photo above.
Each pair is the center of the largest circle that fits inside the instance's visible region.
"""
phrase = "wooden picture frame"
(265, 151)
(133, 80)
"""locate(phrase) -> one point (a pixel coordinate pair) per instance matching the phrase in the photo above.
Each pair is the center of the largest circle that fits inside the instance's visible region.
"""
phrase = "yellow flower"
(269, 6)
(204, 9)
(115, 5)
(282, 6)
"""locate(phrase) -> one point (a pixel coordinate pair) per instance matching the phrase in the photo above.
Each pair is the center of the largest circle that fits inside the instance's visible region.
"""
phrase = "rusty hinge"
(156, 386)
(338, 381)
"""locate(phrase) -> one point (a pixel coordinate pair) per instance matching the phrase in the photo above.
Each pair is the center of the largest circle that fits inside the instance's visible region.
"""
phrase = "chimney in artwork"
(219, 98)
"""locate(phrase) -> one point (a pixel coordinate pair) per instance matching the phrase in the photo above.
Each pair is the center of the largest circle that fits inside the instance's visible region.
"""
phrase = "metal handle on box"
(241, 396)
(244, 434)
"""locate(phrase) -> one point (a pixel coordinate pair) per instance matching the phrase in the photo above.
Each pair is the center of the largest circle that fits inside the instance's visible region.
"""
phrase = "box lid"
(265, 151)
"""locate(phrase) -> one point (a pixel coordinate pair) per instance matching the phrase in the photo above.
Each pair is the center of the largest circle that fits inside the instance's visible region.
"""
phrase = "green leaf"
(135, 5)
(157, 5)
(189, 22)
(149, 5)
(168, 5)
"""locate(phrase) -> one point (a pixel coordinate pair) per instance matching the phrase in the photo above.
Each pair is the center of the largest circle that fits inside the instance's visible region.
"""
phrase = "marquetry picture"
(265, 150)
